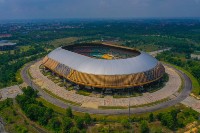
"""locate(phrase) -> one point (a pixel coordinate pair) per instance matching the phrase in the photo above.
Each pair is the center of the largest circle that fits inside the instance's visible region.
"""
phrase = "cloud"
(23, 9)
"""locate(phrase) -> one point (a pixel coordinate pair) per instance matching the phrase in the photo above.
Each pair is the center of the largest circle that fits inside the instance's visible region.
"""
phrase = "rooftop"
(140, 62)
(6, 43)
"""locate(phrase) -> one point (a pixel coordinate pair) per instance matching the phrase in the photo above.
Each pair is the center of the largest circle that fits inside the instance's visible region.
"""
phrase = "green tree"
(87, 119)
(151, 117)
(67, 124)
(48, 113)
(55, 123)
(79, 122)
(168, 120)
(69, 112)
(21, 129)
(30, 92)
(74, 130)
(144, 127)
(43, 120)
(159, 116)
(125, 123)
(33, 111)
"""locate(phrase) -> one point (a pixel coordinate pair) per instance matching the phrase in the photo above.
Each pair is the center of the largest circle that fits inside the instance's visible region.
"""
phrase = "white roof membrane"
(81, 63)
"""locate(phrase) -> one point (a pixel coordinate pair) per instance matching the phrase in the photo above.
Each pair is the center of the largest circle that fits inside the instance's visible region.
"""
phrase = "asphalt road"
(184, 94)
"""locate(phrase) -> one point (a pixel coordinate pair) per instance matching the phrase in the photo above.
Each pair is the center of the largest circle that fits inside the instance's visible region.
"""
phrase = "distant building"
(6, 45)
(5, 35)
(195, 56)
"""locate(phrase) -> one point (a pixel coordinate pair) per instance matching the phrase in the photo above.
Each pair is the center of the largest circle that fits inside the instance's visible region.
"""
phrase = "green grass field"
(24, 48)
(18, 76)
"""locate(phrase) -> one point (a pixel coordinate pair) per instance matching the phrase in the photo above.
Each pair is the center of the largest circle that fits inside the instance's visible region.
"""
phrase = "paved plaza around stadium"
(192, 102)
(10, 92)
(169, 91)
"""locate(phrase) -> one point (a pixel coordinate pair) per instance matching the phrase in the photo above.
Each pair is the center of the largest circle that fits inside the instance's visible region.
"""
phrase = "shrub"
(144, 127)
(69, 112)
(55, 124)
(87, 118)
(151, 117)
(67, 124)
(79, 122)
(125, 123)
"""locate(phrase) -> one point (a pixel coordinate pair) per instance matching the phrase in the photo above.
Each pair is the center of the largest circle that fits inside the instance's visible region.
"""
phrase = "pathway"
(10, 92)
(192, 102)
(170, 90)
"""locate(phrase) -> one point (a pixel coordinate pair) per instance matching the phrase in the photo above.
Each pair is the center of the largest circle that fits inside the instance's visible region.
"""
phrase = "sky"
(49, 9)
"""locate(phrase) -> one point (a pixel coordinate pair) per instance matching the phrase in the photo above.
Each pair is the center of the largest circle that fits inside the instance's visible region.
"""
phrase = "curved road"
(184, 94)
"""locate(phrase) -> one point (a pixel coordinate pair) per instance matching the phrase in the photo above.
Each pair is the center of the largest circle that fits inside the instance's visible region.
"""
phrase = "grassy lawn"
(182, 83)
(2, 52)
(18, 76)
(24, 48)
(50, 105)
(29, 74)
(195, 84)
(82, 92)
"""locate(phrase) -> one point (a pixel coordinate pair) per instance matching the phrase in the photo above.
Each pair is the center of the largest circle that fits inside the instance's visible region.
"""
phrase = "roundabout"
(170, 95)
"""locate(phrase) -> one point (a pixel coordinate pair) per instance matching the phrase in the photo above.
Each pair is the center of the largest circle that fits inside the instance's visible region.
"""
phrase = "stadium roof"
(81, 63)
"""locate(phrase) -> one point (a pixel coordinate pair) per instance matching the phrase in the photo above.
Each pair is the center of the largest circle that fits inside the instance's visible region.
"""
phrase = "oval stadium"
(104, 66)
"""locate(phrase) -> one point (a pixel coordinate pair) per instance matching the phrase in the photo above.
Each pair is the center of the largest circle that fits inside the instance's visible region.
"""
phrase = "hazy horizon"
(98, 9)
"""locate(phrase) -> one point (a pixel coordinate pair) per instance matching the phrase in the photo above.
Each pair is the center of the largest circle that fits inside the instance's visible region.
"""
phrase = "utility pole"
(31, 84)
(129, 109)
(129, 106)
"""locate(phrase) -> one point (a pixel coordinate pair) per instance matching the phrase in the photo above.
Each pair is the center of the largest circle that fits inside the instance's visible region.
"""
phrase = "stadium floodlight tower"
(104, 66)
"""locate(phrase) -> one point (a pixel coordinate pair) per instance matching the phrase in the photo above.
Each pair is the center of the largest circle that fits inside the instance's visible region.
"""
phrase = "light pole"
(129, 106)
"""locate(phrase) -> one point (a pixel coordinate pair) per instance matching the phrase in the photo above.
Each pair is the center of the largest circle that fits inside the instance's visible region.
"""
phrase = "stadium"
(106, 66)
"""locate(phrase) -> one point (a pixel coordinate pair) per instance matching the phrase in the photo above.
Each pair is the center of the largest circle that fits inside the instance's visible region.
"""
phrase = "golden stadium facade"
(104, 65)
